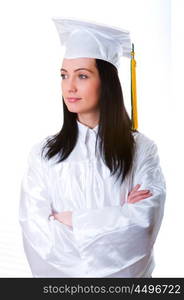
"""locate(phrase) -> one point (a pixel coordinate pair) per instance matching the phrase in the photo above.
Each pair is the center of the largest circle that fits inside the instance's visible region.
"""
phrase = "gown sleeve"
(119, 237)
(44, 239)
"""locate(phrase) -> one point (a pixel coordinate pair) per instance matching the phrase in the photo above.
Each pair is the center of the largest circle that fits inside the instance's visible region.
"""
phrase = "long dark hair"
(117, 143)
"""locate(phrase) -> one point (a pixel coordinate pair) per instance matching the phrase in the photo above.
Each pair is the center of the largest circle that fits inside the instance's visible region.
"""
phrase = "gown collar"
(84, 130)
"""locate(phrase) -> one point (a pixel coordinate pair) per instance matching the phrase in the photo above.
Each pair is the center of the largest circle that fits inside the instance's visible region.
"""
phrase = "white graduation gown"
(110, 237)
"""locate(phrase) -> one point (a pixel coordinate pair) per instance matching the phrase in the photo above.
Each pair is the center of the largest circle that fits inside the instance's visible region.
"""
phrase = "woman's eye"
(62, 76)
(83, 76)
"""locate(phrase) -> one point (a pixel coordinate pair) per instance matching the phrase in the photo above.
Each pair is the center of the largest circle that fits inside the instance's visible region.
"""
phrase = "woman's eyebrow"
(78, 70)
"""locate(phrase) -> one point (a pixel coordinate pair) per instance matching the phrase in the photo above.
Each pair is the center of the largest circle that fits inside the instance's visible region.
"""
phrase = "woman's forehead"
(82, 62)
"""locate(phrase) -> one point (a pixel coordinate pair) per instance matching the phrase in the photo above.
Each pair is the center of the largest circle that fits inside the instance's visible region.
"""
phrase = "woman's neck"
(90, 122)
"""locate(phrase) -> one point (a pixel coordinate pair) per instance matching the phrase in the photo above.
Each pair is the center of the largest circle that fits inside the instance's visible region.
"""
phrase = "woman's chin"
(75, 109)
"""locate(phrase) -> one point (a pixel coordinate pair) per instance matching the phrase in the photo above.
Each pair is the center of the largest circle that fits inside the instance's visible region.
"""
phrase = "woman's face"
(80, 79)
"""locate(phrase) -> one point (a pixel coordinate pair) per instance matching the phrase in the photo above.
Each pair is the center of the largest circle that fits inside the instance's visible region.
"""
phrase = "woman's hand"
(64, 217)
(134, 195)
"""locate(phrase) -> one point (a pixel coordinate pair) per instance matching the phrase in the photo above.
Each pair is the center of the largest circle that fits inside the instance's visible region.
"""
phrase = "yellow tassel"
(134, 113)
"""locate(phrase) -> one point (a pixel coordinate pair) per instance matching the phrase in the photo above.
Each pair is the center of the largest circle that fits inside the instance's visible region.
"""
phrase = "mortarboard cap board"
(85, 39)
(89, 39)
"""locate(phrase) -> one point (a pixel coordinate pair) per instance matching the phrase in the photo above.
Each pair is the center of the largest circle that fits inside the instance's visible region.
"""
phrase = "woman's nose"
(72, 85)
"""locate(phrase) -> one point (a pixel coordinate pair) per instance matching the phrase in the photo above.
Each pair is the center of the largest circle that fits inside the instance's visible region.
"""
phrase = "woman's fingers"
(139, 197)
(55, 216)
(135, 190)
(136, 187)
(140, 192)
(135, 195)
(64, 217)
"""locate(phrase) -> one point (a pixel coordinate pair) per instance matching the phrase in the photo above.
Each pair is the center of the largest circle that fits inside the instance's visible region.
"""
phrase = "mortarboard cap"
(92, 40)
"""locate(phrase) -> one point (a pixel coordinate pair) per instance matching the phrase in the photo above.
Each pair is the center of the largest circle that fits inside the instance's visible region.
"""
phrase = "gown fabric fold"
(110, 237)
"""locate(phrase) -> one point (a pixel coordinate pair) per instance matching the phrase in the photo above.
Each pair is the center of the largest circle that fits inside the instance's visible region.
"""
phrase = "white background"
(31, 106)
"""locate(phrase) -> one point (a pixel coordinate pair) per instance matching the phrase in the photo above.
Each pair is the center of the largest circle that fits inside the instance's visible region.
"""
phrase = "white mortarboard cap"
(92, 40)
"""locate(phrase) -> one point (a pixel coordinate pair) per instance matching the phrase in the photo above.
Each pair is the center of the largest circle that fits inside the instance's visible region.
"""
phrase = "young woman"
(92, 196)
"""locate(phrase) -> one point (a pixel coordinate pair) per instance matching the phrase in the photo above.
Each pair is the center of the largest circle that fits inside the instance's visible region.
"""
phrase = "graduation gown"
(110, 237)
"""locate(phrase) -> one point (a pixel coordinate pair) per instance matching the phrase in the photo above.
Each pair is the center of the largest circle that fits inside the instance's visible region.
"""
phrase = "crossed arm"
(134, 196)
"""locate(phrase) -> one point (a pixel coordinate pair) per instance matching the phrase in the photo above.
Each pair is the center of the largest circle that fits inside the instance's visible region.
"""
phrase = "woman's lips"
(73, 99)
